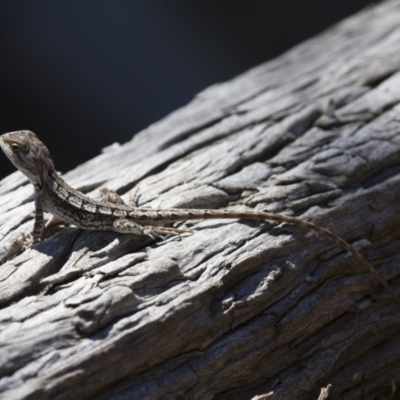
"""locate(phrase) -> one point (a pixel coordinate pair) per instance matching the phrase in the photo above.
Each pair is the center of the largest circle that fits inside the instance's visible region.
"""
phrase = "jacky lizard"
(55, 196)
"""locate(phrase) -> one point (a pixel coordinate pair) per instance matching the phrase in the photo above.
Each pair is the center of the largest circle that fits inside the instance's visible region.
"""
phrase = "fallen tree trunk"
(237, 309)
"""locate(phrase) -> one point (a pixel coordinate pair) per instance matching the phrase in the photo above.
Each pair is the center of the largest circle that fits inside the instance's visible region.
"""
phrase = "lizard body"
(54, 195)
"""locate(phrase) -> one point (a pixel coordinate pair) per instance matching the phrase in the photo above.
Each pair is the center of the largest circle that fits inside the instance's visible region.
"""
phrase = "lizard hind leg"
(109, 196)
(126, 226)
(163, 232)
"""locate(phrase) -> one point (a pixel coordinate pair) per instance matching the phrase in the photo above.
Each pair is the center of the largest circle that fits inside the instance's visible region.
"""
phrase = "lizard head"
(28, 154)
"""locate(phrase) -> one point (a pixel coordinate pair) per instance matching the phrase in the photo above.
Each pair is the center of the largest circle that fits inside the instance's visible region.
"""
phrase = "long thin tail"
(176, 214)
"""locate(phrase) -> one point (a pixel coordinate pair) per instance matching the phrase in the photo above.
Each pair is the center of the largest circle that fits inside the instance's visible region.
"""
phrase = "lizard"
(53, 195)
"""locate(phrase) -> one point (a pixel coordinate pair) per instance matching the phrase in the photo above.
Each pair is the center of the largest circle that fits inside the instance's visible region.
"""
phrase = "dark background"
(84, 74)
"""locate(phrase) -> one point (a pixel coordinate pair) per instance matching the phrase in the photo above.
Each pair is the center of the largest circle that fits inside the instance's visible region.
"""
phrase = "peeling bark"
(237, 309)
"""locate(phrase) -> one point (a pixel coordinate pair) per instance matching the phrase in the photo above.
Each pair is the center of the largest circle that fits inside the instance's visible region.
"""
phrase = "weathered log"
(236, 309)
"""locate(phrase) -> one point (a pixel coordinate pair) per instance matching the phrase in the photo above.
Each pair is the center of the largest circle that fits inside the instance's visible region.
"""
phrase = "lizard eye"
(14, 146)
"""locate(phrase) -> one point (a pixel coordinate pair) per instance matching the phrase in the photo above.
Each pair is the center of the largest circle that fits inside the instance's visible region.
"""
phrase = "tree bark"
(237, 309)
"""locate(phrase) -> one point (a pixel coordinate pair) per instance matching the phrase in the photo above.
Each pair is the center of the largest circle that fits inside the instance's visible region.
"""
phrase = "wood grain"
(237, 309)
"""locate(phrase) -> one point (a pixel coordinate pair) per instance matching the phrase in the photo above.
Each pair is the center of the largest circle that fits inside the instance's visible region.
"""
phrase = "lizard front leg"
(39, 221)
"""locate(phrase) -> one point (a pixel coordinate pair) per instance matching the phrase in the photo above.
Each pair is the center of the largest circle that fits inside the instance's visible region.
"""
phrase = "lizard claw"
(26, 241)
(163, 232)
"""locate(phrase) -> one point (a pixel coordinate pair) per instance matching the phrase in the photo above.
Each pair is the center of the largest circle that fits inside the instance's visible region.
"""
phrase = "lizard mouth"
(6, 147)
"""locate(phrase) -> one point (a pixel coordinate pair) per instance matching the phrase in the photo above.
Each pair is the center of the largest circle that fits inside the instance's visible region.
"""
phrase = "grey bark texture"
(237, 309)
